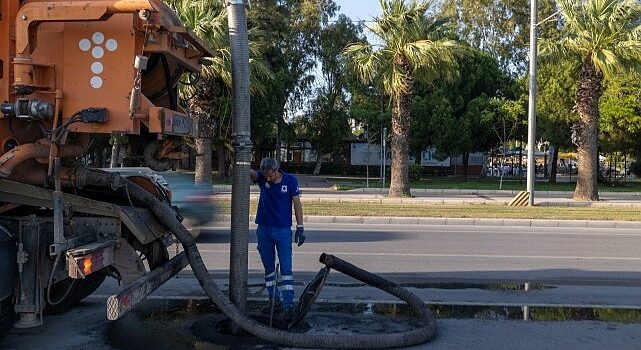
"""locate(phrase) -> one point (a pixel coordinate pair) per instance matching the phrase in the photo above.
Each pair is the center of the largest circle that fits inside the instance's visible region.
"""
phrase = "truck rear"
(70, 73)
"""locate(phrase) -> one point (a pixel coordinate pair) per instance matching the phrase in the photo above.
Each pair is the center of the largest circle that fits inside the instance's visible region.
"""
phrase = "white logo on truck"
(97, 52)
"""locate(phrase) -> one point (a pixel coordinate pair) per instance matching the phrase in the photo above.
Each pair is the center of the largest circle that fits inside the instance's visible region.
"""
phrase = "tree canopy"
(436, 74)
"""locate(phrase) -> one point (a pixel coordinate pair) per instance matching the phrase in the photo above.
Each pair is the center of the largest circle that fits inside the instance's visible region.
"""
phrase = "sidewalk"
(484, 330)
(340, 289)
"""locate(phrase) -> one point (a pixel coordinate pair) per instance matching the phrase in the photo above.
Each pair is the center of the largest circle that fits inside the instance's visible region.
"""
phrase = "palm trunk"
(400, 185)
(221, 160)
(203, 161)
(466, 160)
(115, 154)
(588, 95)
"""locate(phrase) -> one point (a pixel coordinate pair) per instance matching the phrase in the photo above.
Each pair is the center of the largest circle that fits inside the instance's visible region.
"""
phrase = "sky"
(360, 9)
(357, 10)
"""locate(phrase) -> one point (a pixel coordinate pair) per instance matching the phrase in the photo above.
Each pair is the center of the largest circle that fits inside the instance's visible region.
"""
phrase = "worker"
(278, 191)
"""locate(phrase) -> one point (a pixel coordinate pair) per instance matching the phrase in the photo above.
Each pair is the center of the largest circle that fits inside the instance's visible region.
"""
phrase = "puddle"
(454, 285)
(483, 286)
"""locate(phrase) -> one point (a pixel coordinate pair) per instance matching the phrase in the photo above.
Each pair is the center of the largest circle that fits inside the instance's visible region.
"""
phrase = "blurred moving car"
(194, 203)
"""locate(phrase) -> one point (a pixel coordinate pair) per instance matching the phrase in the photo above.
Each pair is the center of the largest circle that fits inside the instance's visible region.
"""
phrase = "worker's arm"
(299, 236)
(253, 175)
(298, 210)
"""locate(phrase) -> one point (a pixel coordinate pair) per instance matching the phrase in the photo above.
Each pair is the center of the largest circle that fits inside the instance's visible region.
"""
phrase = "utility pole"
(367, 168)
(531, 139)
(380, 153)
(239, 44)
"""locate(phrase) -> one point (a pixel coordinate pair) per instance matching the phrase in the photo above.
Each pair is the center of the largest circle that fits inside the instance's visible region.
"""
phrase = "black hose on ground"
(167, 216)
(423, 312)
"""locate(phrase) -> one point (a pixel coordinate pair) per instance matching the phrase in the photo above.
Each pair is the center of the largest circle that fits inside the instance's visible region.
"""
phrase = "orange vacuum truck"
(70, 71)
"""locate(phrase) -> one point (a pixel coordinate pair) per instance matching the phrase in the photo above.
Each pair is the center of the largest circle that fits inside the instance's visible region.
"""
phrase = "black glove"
(299, 236)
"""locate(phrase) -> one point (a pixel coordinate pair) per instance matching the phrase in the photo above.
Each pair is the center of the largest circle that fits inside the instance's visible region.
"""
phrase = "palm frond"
(629, 50)
(208, 20)
(414, 44)
(260, 72)
(395, 81)
(364, 60)
(606, 31)
(427, 53)
(567, 47)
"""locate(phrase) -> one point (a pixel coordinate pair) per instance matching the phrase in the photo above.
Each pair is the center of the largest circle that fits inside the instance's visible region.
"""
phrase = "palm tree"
(207, 96)
(605, 36)
(413, 46)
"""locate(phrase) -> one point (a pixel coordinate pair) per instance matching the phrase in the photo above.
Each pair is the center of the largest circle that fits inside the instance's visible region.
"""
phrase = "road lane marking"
(428, 255)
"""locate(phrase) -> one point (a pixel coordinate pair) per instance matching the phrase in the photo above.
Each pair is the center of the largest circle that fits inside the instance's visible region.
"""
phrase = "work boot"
(267, 309)
(288, 314)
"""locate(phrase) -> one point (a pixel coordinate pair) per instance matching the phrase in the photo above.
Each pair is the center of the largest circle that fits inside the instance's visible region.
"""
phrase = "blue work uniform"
(274, 219)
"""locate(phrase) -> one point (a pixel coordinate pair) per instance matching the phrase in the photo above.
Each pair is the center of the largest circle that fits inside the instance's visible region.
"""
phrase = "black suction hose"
(167, 216)
(424, 313)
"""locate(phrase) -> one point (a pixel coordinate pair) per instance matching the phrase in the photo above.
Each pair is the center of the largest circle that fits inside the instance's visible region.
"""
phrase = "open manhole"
(180, 324)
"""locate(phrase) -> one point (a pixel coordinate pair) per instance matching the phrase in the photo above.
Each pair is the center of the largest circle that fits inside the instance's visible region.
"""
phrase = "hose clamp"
(241, 141)
(239, 2)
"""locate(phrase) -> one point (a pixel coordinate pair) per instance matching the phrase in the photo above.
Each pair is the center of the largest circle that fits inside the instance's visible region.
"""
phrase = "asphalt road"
(459, 253)
(416, 254)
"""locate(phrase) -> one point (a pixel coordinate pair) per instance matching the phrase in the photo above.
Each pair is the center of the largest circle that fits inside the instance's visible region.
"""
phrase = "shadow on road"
(313, 236)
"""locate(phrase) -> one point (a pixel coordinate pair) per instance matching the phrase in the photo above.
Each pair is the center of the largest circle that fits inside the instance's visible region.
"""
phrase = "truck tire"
(7, 316)
(155, 253)
(80, 289)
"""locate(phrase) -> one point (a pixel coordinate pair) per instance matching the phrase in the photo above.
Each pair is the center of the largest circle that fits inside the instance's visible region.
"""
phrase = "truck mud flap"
(142, 223)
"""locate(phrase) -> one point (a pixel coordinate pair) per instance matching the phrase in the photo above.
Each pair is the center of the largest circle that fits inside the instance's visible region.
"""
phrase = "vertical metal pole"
(531, 139)
(380, 153)
(239, 45)
(384, 154)
(526, 309)
(59, 240)
(367, 168)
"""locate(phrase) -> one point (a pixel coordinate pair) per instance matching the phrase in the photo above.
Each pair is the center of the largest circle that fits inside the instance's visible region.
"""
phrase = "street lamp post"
(531, 166)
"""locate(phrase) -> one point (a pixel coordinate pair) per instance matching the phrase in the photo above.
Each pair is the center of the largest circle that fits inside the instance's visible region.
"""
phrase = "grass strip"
(510, 185)
(330, 208)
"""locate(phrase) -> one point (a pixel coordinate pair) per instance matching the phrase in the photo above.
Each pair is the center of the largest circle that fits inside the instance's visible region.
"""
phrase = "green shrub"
(415, 172)
(617, 315)
(635, 167)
